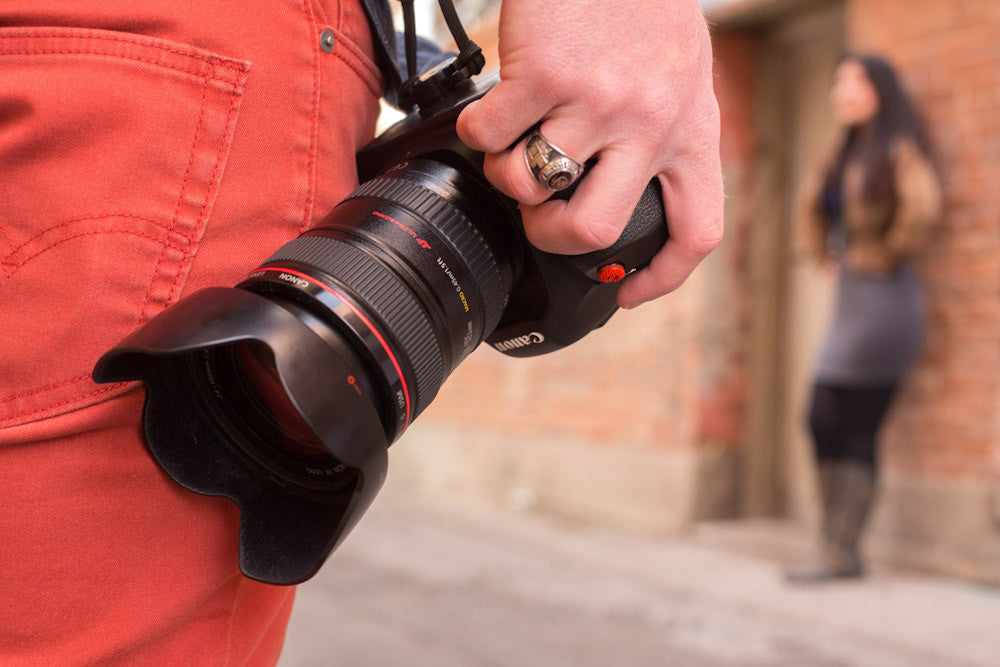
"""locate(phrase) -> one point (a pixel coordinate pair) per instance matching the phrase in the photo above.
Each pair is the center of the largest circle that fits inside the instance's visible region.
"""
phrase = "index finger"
(496, 120)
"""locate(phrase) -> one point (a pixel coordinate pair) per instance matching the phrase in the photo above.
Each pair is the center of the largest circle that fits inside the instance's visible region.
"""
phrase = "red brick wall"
(722, 408)
(630, 382)
(948, 53)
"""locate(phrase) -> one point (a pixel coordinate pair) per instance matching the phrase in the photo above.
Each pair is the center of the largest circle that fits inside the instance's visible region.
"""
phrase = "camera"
(284, 392)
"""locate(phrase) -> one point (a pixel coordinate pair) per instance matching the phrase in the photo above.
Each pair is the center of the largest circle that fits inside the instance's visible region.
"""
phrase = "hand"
(630, 83)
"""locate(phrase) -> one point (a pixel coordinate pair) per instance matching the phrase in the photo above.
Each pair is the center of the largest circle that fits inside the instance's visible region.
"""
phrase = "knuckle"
(475, 135)
(605, 94)
(477, 132)
(604, 110)
(708, 236)
(651, 110)
(600, 233)
(706, 122)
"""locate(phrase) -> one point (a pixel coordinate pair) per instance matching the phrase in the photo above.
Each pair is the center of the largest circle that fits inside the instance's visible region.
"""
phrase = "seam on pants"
(193, 235)
(314, 120)
(167, 246)
(232, 618)
(203, 215)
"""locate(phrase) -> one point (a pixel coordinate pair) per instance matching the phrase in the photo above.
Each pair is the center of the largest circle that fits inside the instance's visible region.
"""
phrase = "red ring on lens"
(364, 320)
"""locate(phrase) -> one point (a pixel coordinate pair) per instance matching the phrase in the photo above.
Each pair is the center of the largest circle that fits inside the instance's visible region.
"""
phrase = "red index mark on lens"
(365, 320)
(354, 383)
(420, 242)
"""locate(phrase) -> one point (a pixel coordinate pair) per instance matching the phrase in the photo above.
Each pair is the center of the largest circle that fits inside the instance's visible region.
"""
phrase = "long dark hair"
(872, 144)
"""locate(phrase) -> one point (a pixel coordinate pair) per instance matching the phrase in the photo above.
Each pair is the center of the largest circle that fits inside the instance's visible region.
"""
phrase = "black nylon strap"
(469, 53)
(388, 46)
(454, 23)
(410, 37)
(470, 58)
(380, 19)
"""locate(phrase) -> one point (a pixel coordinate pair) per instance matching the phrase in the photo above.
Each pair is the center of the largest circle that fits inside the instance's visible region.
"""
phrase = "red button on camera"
(611, 273)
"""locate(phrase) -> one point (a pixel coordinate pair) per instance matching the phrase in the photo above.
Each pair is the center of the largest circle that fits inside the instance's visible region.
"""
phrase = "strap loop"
(470, 56)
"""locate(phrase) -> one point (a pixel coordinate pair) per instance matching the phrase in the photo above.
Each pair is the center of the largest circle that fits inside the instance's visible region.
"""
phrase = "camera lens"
(240, 387)
(259, 387)
(401, 272)
(284, 394)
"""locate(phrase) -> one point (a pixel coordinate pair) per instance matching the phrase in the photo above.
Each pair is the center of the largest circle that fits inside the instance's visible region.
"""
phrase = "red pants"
(147, 149)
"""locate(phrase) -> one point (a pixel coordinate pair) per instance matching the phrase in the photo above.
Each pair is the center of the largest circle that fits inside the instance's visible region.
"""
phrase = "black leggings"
(845, 420)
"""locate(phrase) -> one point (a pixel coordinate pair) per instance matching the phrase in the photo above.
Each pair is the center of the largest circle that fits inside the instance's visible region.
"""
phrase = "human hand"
(629, 83)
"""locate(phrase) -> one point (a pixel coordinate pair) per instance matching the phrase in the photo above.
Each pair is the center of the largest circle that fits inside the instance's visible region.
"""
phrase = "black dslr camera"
(284, 392)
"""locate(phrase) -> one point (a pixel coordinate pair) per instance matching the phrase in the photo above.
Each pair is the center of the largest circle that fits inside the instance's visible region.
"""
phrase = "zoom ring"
(380, 290)
(449, 222)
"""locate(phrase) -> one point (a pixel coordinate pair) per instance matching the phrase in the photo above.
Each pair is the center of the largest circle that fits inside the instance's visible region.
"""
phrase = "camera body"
(285, 392)
(557, 299)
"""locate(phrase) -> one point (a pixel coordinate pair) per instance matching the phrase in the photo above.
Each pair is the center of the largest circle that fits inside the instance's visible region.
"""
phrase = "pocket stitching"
(236, 67)
(200, 222)
(168, 245)
(65, 52)
(211, 72)
(12, 267)
(101, 216)
(25, 417)
(38, 390)
(76, 236)
(359, 62)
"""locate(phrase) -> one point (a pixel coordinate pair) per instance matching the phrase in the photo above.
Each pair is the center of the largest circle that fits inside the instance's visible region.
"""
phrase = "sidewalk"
(424, 582)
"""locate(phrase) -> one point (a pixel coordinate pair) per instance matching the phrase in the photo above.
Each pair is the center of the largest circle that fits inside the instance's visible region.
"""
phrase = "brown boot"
(847, 489)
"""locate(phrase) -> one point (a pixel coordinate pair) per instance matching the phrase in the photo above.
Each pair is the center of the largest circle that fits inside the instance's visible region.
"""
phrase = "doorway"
(795, 132)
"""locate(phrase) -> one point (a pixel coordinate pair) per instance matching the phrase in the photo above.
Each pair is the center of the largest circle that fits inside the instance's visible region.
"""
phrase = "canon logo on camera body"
(519, 341)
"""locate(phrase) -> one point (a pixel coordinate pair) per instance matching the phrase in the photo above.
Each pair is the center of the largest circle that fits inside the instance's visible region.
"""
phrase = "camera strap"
(470, 56)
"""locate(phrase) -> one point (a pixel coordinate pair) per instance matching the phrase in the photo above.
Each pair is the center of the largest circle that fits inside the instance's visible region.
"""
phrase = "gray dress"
(878, 329)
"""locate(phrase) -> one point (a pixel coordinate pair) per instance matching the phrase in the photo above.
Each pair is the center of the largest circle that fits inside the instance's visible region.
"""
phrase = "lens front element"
(263, 394)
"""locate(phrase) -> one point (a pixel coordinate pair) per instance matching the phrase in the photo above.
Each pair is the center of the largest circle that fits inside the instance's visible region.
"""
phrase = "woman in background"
(869, 214)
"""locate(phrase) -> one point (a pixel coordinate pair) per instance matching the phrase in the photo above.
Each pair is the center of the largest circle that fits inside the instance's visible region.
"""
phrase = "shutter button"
(611, 273)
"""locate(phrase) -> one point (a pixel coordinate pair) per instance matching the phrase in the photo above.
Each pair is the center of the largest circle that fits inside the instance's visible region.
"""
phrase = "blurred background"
(674, 435)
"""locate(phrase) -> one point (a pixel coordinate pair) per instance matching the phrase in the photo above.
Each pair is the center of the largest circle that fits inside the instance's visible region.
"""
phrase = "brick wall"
(722, 409)
(948, 424)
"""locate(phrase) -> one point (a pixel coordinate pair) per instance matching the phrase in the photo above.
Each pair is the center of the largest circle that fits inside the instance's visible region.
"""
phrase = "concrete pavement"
(429, 582)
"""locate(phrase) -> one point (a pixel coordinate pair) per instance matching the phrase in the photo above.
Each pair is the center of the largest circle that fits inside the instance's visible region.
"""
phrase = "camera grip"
(643, 236)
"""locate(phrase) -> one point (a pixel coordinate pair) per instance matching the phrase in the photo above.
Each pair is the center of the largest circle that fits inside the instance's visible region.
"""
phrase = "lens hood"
(286, 530)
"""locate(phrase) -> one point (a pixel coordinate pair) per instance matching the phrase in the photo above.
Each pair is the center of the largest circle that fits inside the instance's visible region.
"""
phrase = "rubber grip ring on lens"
(447, 221)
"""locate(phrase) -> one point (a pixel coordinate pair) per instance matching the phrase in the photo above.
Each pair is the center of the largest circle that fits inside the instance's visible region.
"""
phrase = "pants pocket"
(112, 152)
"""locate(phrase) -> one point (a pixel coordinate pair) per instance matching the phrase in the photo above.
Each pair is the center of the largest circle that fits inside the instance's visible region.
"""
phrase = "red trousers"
(147, 149)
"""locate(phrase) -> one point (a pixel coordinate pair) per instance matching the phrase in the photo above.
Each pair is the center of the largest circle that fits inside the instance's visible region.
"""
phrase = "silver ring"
(552, 168)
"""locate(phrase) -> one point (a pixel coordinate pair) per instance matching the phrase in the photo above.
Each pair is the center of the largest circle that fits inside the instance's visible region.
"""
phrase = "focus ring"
(377, 288)
(447, 221)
